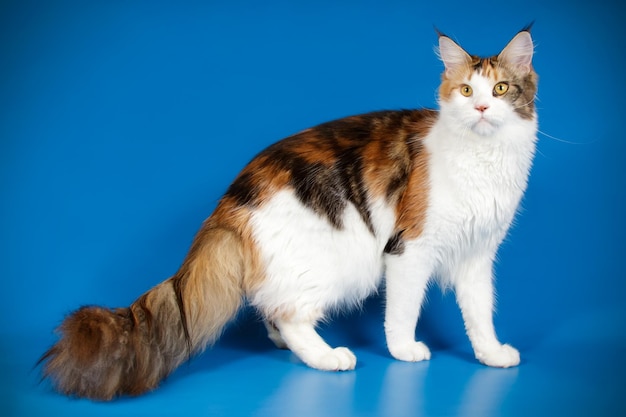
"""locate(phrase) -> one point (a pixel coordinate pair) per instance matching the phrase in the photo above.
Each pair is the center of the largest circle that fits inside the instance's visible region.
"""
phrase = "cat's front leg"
(475, 296)
(406, 279)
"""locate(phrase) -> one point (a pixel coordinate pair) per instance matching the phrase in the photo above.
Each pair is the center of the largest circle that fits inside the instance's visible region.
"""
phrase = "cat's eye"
(500, 89)
(466, 90)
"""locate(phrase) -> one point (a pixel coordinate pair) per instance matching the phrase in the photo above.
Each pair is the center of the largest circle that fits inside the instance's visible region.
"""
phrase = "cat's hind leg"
(303, 340)
(274, 335)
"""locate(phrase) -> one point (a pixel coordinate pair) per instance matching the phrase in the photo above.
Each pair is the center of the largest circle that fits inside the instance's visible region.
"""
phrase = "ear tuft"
(452, 55)
(519, 52)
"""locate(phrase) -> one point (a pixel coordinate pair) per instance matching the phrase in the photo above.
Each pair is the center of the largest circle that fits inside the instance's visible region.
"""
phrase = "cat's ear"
(519, 52)
(452, 55)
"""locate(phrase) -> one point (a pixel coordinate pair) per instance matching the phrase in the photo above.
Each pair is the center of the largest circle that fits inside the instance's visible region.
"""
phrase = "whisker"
(536, 98)
(566, 141)
(527, 103)
(537, 150)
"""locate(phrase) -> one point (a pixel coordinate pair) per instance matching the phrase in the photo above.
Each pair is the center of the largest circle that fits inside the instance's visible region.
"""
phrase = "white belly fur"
(311, 266)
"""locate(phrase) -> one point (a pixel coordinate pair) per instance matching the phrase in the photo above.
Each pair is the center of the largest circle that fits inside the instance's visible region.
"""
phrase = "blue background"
(122, 123)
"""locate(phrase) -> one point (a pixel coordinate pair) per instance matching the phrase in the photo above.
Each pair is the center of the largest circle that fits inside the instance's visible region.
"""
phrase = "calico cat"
(315, 221)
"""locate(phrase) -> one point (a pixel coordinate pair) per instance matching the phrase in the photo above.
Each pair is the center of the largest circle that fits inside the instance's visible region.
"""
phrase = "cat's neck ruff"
(511, 148)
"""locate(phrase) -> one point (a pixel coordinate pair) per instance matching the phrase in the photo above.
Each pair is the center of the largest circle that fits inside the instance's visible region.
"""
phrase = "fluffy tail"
(105, 352)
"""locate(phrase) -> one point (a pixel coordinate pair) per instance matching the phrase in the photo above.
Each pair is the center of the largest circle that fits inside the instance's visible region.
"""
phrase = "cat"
(314, 222)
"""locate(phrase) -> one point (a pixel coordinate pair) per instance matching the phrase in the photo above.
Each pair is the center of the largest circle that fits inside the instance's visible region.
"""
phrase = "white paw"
(411, 352)
(504, 356)
(338, 359)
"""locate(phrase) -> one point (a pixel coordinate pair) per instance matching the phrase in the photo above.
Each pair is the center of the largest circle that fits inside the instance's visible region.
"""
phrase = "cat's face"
(483, 94)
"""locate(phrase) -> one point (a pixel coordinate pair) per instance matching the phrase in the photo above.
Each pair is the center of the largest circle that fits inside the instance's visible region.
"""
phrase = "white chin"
(484, 128)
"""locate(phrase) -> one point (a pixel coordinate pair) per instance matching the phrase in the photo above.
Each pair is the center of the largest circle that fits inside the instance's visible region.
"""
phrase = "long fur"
(106, 352)
(315, 220)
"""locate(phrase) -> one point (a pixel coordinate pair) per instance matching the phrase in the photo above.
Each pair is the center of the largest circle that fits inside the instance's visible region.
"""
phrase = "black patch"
(395, 245)
(403, 169)
(327, 186)
(243, 190)
(528, 27)
(319, 187)
(397, 182)
(177, 286)
(350, 169)
(477, 63)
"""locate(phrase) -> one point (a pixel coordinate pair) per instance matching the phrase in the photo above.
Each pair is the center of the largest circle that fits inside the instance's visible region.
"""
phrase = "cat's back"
(353, 160)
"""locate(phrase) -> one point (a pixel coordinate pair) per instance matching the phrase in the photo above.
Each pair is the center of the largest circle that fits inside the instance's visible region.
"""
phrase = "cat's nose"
(481, 107)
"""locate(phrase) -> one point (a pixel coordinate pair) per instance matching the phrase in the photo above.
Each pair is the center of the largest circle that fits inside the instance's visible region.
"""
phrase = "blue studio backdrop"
(122, 123)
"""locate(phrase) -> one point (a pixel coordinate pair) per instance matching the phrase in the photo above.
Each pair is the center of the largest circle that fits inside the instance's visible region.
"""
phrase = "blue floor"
(122, 124)
(576, 371)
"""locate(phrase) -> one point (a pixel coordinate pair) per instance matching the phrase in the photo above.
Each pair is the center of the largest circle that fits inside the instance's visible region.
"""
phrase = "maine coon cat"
(315, 222)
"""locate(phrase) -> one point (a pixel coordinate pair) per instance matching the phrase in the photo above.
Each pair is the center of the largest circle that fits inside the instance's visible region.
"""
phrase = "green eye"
(500, 89)
(466, 90)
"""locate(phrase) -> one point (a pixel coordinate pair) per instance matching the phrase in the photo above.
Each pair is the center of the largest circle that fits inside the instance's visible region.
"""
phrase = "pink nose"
(481, 107)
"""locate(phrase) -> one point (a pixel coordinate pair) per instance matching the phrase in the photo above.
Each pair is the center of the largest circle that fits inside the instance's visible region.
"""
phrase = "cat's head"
(484, 94)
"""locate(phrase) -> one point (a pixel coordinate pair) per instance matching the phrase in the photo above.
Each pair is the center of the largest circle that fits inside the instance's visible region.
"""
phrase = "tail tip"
(92, 356)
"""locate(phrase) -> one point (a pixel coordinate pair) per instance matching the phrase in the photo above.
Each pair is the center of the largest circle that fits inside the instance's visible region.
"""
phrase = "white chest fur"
(476, 185)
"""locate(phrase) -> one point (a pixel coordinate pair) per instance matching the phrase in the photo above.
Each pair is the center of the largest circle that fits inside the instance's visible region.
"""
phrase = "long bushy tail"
(105, 352)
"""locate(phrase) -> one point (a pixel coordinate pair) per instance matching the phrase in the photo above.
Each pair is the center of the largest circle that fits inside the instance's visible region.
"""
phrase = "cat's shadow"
(243, 337)
(361, 329)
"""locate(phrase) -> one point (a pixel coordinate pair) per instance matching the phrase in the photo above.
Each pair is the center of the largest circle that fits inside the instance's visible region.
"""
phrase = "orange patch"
(311, 150)
(232, 216)
(411, 209)
(385, 161)
(389, 158)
